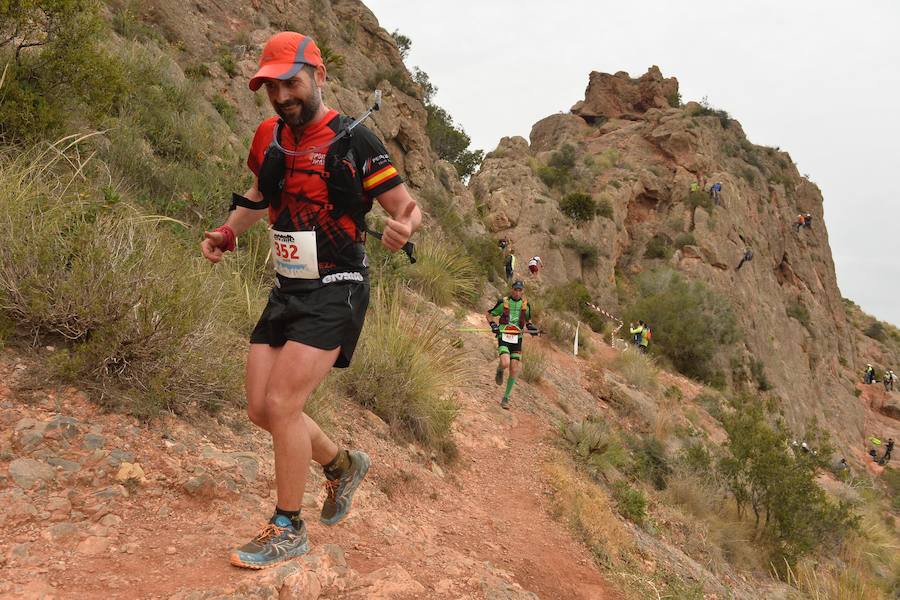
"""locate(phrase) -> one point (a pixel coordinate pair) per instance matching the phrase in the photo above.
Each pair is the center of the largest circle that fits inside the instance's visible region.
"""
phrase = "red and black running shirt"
(304, 197)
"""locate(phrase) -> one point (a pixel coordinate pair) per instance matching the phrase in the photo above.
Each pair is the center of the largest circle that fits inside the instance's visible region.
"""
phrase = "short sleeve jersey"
(515, 309)
(304, 204)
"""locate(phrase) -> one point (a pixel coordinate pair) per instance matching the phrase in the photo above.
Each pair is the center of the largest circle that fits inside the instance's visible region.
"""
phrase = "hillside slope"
(628, 148)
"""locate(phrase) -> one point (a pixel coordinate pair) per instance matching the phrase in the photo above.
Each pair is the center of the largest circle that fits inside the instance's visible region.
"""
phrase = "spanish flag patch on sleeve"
(379, 177)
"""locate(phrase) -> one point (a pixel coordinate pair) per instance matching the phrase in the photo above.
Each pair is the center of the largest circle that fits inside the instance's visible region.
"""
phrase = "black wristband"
(238, 200)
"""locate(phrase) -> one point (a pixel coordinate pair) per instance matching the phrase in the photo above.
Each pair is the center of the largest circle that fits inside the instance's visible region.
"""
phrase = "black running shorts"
(514, 350)
(325, 318)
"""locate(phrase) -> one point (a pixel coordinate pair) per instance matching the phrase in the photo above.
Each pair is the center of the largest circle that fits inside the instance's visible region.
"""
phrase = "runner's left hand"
(397, 231)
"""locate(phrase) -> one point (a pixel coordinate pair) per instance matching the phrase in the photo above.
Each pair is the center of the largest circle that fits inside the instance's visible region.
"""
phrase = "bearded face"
(296, 100)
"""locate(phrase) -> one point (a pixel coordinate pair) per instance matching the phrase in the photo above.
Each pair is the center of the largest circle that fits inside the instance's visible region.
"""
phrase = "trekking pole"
(409, 248)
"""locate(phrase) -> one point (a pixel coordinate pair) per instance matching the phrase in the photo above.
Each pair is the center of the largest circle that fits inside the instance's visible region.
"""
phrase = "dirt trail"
(477, 529)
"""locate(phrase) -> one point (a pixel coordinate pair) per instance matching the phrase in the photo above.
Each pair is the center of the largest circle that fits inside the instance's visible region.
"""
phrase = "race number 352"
(286, 250)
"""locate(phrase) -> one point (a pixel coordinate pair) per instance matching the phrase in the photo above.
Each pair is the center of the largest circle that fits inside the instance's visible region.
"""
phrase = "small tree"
(404, 44)
(451, 142)
(779, 485)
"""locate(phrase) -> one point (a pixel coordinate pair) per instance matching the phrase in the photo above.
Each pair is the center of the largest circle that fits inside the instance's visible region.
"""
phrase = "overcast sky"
(820, 80)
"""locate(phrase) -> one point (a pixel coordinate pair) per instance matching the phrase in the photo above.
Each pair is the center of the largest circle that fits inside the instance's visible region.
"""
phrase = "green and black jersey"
(515, 312)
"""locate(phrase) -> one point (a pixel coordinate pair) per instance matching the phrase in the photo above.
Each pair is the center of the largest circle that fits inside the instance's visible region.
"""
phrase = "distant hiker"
(316, 310)
(888, 448)
(503, 243)
(637, 335)
(748, 256)
(695, 187)
(869, 375)
(646, 335)
(535, 264)
(515, 320)
(800, 222)
(510, 265)
(889, 379)
(714, 191)
(841, 466)
(807, 221)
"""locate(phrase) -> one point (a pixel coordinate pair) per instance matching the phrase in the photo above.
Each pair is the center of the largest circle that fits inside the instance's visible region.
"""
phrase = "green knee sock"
(509, 384)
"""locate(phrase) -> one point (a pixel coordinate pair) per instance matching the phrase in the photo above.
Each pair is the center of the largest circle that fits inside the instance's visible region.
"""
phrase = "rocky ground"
(101, 506)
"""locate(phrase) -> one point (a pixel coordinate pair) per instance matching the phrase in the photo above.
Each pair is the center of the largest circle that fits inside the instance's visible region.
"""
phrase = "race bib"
(294, 254)
(511, 338)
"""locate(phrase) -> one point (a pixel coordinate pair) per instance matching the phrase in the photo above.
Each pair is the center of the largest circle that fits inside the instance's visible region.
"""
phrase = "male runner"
(512, 310)
(315, 183)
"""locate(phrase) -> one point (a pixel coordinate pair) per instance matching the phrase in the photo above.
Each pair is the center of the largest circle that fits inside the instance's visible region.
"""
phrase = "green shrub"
(443, 273)
(483, 250)
(578, 206)
(749, 175)
(586, 252)
(53, 66)
(712, 403)
(606, 160)
(145, 320)
(650, 462)
(685, 239)
(796, 310)
(605, 209)
(533, 365)
(332, 59)
(696, 459)
(638, 369)
(595, 445)
(674, 99)
(227, 62)
(891, 478)
(759, 374)
(405, 371)
(630, 502)
(127, 22)
(225, 108)
(563, 159)
(396, 76)
(659, 246)
(876, 331)
(701, 199)
(690, 322)
(197, 72)
(552, 177)
(705, 110)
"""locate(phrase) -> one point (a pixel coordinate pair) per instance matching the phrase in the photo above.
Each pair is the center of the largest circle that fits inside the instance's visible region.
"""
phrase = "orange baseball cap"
(283, 57)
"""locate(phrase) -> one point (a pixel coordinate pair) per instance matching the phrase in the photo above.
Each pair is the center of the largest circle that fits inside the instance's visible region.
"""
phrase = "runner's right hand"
(211, 246)
(495, 328)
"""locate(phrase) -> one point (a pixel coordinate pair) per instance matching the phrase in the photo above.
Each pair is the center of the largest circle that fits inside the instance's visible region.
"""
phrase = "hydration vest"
(343, 180)
(504, 317)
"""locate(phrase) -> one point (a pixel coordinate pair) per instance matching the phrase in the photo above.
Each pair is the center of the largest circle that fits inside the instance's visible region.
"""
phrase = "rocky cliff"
(636, 151)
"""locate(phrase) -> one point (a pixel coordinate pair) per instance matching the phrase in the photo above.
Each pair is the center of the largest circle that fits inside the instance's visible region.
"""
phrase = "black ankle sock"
(293, 515)
(338, 465)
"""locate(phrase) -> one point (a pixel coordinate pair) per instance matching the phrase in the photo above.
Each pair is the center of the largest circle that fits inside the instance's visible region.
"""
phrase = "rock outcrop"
(615, 96)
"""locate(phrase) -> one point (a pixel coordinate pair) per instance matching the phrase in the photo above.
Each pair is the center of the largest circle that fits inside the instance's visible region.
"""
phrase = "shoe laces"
(331, 487)
(270, 531)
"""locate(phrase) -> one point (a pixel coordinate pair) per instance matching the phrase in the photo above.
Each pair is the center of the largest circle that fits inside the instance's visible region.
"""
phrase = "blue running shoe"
(278, 542)
(339, 492)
